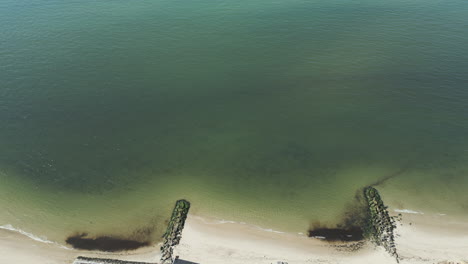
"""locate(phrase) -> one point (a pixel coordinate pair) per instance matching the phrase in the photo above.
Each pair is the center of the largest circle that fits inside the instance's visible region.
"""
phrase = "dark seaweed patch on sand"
(104, 243)
(351, 227)
(337, 234)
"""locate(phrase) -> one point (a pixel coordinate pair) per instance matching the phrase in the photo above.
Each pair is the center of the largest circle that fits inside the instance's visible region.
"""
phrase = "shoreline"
(420, 239)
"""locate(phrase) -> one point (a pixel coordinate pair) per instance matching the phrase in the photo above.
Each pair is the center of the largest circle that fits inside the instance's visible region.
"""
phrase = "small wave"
(227, 222)
(31, 236)
(407, 211)
(222, 221)
(269, 230)
(217, 222)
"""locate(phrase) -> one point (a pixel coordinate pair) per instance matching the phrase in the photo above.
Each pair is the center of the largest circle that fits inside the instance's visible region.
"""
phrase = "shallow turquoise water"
(269, 112)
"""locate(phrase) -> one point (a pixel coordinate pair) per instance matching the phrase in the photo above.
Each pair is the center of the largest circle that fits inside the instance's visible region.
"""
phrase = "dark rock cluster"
(380, 225)
(174, 230)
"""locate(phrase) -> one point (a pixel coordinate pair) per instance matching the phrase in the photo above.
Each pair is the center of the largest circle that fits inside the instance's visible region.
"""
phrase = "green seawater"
(273, 113)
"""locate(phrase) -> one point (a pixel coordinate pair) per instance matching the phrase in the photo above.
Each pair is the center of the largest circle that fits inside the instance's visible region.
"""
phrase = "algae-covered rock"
(380, 225)
(174, 229)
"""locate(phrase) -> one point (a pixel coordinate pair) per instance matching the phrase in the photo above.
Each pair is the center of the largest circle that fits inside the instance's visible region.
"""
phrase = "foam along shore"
(428, 239)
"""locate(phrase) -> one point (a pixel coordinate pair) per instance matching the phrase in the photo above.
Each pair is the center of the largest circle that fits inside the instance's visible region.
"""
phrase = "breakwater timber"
(174, 230)
(380, 226)
(85, 260)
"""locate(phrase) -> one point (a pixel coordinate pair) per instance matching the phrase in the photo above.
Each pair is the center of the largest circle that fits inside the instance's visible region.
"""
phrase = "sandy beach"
(18, 248)
(420, 239)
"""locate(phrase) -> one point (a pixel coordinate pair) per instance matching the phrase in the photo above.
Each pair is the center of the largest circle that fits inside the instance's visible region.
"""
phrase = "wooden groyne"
(174, 230)
(380, 225)
(85, 260)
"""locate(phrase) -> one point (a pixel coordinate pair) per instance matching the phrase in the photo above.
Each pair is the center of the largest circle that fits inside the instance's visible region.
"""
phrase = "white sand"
(419, 242)
(427, 240)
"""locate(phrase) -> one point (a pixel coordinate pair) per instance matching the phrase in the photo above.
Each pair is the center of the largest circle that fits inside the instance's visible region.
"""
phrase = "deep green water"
(268, 112)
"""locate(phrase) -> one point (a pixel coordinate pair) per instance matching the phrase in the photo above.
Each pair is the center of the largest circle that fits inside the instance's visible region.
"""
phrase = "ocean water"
(273, 113)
